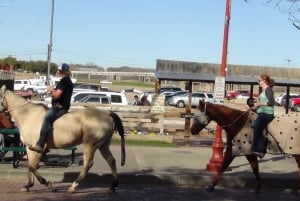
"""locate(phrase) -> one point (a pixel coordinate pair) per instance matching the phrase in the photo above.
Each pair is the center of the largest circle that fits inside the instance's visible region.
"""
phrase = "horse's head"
(3, 101)
(201, 120)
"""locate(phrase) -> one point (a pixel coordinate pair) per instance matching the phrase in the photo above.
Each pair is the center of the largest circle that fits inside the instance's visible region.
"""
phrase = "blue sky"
(113, 33)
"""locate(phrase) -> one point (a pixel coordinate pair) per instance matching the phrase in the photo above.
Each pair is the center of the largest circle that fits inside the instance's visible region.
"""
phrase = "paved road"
(146, 166)
(10, 191)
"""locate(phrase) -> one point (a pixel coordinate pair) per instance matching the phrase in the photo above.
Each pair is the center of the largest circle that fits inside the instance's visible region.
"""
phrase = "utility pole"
(50, 44)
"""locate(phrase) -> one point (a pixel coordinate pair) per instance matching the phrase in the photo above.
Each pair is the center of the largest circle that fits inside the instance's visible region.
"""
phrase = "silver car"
(182, 100)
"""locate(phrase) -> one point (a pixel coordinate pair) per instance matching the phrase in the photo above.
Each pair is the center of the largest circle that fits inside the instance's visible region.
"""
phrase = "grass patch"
(119, 83)
(134, 84)
(145, 143)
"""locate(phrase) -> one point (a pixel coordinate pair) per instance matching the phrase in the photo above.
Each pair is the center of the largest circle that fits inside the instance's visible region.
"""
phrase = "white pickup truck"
(19, 84)
(38, 87)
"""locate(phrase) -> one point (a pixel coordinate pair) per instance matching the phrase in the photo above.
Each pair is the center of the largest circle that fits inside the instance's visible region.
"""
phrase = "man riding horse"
(61, 97)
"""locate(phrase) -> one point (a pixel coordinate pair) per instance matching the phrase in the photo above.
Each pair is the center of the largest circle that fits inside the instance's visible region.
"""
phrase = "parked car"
(294, 104)
(243, 96)
(284, 98)
(90, 87)
(97, 99)
(163, 89)
(176, 93)
(279, 99)
(115, 97)
(19, 84)
(242, 93)
(39, 87)
(182, 101)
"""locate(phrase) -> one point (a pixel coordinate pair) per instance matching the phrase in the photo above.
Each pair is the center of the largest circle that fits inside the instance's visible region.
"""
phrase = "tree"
(290, 7)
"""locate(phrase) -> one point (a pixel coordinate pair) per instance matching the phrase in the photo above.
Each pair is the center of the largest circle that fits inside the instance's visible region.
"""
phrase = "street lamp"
(218, 145)
(288, 62)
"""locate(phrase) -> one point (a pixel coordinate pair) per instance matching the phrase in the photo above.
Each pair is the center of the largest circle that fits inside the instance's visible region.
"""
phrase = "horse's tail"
(119, 126)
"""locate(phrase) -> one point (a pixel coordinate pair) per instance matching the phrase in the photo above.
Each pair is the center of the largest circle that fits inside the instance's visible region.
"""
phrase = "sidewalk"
(185, 165)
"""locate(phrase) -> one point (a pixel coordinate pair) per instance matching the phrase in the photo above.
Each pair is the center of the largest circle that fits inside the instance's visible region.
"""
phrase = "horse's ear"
(3, 88)
(201, 103)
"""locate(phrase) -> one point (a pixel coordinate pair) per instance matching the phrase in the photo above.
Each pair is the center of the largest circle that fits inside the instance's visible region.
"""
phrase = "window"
(93, 100)
(210, 96)
(105, 101)
(198, 95)
(79, 97)
(116, 99)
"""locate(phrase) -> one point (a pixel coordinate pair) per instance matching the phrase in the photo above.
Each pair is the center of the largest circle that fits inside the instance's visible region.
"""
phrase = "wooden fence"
(134, 118)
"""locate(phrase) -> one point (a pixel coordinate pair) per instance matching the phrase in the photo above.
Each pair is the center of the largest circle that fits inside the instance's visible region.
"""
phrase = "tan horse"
(92, 127)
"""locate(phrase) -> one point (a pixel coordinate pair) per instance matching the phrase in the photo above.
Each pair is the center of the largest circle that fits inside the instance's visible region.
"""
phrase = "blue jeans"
(259, 142)
(52, 114)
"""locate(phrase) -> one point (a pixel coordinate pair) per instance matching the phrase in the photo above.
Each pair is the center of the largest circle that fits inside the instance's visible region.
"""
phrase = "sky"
(135, 33)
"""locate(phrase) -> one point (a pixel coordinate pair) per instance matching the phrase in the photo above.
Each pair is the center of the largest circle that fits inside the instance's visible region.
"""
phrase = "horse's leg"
(228, 158)
(254, 166)
(107, 155)
(295, 190)
(88, 155)
(30, 181)
(33, 164)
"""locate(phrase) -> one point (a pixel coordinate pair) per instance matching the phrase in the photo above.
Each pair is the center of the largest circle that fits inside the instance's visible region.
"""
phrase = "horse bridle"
(3, 103)
(231, 123)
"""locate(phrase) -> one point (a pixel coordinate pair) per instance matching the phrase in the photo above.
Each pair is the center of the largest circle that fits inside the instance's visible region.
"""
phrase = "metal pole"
(218, 145)
(50, 44)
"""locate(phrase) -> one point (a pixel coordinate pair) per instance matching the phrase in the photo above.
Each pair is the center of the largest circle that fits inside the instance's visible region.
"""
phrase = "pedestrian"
(136, 100)
(61, 97)
(264, 106)
(145, 101)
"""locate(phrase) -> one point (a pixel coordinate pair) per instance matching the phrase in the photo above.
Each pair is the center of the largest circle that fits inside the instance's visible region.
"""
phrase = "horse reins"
(240, 116)
(234, 121)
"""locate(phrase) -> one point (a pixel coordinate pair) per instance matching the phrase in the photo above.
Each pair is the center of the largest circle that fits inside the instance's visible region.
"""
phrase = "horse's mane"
(19, 98)
(42, 105)
(234, 110)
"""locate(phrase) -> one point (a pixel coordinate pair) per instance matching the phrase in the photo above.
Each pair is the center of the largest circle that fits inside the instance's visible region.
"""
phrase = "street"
(10, 191)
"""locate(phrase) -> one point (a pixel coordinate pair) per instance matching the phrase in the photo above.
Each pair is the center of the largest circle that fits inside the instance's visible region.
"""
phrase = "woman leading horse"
(91, 127)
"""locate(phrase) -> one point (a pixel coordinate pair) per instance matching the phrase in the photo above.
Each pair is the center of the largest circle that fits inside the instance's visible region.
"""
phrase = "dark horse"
(238, 126)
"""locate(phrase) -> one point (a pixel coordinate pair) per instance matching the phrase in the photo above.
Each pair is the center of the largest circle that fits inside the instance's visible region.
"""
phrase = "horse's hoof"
(71, 189)
(114, 185)
(256, 192)
(210, 188)
(24, 189)
(294, 191)
(49, 185)
(54, 190)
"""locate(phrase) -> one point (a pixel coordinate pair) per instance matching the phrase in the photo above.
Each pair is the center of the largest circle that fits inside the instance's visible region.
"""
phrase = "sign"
(219, 90)
(158, 103)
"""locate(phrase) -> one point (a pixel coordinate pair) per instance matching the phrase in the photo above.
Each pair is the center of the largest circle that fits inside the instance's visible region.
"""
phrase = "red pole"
(218, 145)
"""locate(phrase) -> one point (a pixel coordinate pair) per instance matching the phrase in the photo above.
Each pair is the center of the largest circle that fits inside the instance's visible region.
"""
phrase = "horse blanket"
(283, 135)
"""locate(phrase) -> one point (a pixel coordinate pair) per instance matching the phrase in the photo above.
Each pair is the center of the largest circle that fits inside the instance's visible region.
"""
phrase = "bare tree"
(290, 7)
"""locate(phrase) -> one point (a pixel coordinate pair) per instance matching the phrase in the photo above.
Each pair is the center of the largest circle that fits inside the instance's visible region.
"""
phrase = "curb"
(199, 180)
